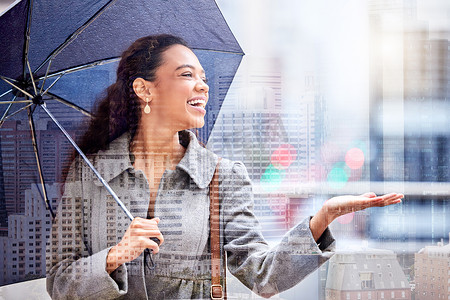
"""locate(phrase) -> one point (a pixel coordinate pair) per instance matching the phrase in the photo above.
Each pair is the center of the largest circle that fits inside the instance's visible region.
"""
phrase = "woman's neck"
(159, 146)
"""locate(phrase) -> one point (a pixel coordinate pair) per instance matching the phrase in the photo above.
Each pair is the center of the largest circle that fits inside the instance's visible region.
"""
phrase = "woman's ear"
(140, 88)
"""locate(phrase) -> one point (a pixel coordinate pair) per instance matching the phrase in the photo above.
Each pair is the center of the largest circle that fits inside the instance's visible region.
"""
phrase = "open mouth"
(197, 103)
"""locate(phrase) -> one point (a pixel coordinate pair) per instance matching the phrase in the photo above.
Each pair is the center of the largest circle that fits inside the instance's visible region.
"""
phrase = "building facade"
(432, 272)
(367, 274)
(22, 252)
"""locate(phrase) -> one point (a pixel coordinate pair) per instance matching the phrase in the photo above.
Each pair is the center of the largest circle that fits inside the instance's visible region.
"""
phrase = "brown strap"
(217, 290)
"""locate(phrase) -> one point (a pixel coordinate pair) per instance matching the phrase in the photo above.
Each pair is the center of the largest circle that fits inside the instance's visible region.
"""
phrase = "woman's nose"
(202, 85)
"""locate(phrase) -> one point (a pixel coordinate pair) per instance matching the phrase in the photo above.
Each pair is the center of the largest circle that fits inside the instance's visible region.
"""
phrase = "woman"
(139, 141)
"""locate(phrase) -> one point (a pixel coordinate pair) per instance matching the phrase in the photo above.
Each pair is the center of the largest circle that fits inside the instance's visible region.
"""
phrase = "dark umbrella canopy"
(74, 35)
(71, 48)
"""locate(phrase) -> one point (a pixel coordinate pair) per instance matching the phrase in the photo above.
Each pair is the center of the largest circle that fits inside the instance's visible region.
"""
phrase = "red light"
(283, 156)
(354, 158)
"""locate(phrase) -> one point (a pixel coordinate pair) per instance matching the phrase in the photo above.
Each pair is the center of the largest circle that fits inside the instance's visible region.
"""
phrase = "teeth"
(195, 102)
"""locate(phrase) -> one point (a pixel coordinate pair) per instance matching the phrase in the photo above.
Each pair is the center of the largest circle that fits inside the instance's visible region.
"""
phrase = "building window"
(366, 280)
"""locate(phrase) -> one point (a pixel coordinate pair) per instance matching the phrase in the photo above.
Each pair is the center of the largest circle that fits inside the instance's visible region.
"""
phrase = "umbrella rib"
(105, 184)
(10, 79)
(46, 74)
(4, 117)
(53, 83)
(38, 161)
(14, 113)
(74, 35)
(82, 67)
(27, 38)
(5, 93)
(70, 104)
(220, 51)
(20, 89)
(31, 75)
(13, 101)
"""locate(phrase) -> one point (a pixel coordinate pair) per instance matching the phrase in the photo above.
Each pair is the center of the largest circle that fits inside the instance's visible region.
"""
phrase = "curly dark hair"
(119, 111)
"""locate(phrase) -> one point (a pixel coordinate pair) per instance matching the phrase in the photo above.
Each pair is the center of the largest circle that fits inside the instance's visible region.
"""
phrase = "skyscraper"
(22, 252)
(278, 147)
(409, 97)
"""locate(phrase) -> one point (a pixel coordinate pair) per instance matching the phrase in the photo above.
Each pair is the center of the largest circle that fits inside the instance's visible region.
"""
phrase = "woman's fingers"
(147, 228)
(367, 200)
(136, 239)
(385, 200)
(144, 223)
(145, 242)
(139, 235)
(158, 234)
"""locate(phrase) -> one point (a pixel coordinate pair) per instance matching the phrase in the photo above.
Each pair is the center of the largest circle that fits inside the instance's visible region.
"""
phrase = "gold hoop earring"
(147, 109)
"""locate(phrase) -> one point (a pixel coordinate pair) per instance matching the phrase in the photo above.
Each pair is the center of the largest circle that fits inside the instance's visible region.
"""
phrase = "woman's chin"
(198, 123)
(193, 125)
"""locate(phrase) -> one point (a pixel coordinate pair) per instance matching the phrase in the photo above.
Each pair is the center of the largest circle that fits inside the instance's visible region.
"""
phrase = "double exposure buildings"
(432, 272)
(367, 274)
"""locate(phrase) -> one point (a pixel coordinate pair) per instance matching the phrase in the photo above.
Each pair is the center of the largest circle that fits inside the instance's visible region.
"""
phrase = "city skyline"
(349, 104)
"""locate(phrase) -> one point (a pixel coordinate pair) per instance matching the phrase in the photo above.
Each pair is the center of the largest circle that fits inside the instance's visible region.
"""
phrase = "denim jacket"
(89, 223)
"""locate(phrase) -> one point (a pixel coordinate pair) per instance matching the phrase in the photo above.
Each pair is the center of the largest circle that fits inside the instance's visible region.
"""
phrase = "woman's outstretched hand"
(135, 240)
(339, 206)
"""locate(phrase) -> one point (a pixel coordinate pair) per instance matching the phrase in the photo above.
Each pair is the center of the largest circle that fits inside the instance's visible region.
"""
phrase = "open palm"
(341, 205)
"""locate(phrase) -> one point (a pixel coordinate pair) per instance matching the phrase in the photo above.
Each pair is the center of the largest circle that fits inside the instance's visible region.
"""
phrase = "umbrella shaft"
(113, 194)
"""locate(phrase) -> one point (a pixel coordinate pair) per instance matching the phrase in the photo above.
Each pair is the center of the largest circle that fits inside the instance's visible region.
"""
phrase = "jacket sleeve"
(72, 270)
(266, 271)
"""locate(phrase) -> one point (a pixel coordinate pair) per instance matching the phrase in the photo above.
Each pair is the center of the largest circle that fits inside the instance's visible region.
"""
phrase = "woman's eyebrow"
(190, 67)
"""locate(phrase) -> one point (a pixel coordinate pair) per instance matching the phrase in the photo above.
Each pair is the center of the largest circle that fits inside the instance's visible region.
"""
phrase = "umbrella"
(65, 53)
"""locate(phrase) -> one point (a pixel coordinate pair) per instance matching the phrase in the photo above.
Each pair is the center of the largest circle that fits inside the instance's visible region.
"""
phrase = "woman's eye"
(187, 74)
(205, 80)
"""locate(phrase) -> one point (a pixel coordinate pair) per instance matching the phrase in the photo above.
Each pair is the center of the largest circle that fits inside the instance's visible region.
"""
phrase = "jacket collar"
(198, 162)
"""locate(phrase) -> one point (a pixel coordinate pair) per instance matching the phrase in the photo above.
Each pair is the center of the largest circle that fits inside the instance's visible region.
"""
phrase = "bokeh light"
(354, 158)
(272, 178)
(337, 178)
(360, 145)
(283, 156)
(346, 219)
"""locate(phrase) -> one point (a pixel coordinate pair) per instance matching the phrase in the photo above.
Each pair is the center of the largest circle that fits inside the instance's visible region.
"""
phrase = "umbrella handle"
(113, 194)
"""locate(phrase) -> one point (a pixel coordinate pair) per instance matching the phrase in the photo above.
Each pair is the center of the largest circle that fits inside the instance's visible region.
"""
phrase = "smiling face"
(180, 93)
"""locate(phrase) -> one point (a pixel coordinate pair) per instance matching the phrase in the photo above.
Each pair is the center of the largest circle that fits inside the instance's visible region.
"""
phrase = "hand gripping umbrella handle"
(113, 194)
